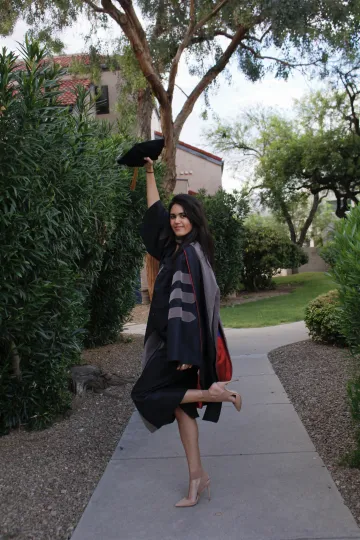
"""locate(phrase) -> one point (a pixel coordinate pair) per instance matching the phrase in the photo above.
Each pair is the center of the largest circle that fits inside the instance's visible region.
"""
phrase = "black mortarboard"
(135, 156)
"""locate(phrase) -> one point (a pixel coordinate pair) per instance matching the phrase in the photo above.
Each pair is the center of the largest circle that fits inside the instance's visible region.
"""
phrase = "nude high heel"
(199, 485)
(218, 392)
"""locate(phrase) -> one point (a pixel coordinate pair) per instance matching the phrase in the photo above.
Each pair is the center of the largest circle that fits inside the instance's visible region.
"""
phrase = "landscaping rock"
(86, 377)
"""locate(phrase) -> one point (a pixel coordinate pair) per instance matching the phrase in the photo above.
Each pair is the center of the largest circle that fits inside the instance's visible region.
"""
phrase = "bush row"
(70, 247)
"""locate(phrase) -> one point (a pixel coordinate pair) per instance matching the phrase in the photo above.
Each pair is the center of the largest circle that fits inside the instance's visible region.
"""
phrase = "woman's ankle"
(197, 473)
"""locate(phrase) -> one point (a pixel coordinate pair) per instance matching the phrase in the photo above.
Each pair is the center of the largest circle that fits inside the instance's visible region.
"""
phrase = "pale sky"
(226, 103)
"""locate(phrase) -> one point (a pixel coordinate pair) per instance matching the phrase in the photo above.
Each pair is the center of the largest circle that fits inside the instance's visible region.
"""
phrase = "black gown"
(161, 386)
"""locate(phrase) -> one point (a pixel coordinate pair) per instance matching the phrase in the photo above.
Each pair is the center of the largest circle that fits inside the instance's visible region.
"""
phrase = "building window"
(102, 99)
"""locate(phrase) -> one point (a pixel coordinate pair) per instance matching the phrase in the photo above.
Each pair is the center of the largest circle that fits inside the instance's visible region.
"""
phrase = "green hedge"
(226, 213)
(266, 250)
(344, 253)
(68, 227)
(345, 270)
(323, 319)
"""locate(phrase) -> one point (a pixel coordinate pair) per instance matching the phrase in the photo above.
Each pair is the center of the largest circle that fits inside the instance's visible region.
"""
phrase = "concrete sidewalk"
(268, 483)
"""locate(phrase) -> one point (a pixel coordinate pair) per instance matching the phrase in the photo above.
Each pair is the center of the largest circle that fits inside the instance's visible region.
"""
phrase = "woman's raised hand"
(149, 166)
(151, 188)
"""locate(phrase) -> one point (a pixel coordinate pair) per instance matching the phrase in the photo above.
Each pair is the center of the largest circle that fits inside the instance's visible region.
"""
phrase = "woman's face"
(179, 222)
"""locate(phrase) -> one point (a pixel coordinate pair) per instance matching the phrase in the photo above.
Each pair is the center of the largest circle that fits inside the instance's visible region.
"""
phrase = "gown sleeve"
(155, 229)
(185, 321)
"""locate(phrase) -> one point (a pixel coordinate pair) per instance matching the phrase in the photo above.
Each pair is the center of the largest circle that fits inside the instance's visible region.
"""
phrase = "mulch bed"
(50, 475)
(314, 377)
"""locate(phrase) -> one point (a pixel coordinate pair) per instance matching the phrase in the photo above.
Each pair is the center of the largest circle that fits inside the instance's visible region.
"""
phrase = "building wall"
(110, 79)
(315, 264)
(155, 123)
(182, 186)
(199, 171)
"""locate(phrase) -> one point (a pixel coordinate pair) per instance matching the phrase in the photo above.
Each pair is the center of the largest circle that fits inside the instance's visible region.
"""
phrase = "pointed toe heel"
(186, 502)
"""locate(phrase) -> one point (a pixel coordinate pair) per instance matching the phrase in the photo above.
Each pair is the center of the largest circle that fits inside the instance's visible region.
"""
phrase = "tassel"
(134, 178)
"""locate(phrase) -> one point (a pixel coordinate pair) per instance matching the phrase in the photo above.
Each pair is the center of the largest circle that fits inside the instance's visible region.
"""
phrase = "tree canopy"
(298, 161)
(260, 35)
(262, 139)
(322, 153)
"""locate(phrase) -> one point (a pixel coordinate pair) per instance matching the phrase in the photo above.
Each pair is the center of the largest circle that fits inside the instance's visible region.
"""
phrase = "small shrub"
(328, 253)
(266, 250)
(322, 318)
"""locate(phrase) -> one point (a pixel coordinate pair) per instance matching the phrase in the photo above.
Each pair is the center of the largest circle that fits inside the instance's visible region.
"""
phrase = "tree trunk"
(144, 114)
(309, 220)
(169, 152)
(289, 222)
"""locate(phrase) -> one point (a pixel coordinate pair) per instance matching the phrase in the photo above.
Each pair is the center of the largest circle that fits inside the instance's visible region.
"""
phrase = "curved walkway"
(268, 482)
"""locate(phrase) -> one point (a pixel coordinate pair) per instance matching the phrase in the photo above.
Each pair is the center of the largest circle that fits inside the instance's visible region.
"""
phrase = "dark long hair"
(200, 232)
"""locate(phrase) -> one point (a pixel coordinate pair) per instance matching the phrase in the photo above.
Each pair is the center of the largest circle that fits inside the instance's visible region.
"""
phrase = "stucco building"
(195, 168)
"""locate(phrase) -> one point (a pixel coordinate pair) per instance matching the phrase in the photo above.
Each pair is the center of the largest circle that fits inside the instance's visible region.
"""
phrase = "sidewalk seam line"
(221, 455)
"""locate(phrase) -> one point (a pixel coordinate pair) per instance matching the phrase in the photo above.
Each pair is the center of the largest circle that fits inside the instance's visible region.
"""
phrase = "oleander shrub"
(113, 292)
(323, 319)
(345, 270)
(226, 213)
(67, 219)
(266, 250)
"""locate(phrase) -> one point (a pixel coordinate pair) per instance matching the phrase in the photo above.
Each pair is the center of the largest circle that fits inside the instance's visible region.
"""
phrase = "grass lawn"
(279, 309)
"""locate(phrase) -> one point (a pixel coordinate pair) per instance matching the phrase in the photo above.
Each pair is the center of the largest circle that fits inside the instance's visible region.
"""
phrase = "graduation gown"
(183, 328)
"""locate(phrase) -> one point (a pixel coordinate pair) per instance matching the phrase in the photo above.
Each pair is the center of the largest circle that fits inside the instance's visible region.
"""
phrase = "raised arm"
(151, 187)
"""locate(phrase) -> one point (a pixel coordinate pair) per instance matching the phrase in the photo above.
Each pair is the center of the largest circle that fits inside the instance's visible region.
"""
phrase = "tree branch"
(353, 119)
(185, 42)
(94, 7)
(309, 219)
(279, 60)
(131, 26)
(209, 37)
(232, 144)
(260, 40)
(181, 90)
(223, 33)
(128, 7)
(286, 214)
(210, 15)
(207, 79)
(260, 186)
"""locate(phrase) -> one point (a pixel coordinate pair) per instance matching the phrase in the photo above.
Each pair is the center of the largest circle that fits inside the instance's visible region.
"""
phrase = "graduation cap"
(135, 156)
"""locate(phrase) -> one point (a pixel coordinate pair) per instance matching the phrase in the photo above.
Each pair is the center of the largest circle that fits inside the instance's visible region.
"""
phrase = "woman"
(185, 354)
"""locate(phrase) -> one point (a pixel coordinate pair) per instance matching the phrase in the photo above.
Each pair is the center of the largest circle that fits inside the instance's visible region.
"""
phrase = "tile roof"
(194, 148)
(66, 60)
(67, 86)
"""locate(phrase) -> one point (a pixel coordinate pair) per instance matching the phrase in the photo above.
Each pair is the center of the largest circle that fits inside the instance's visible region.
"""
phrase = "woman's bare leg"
(189, 434)
(195, 396)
